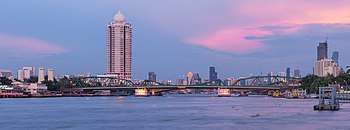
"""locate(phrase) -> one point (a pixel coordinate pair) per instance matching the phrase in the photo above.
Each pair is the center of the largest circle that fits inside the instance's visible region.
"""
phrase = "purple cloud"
(264, 19)
(13, 46)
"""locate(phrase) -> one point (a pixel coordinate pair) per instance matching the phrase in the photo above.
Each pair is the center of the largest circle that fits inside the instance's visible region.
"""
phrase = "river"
(169, 112)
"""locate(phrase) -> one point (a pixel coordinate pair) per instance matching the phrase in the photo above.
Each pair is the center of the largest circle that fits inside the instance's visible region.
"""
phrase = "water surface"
(169, 112)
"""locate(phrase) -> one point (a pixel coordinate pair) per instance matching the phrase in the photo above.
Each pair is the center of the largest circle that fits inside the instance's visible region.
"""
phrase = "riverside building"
(50, 74)
(119, 48)
(41, 75)
(326, 67)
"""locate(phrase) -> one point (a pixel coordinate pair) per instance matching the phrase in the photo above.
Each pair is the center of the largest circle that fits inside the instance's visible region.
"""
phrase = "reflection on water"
(169, 112)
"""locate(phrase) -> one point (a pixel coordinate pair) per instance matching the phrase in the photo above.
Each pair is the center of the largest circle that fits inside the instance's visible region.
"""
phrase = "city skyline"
(172, 36)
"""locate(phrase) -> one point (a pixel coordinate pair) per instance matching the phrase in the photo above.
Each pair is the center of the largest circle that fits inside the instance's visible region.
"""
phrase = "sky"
(173, 37)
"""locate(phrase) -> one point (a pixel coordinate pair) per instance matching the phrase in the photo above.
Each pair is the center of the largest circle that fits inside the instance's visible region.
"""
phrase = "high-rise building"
(26, 73)
(196, 79)
(283, 74)
(335, 56)
(288, 75)
(180, 81)
(190, 78)
(152, 76)
(50, 74)
(5, 73)
(269, 78)
(119, 48)
(166, 82)
(41, 75)
(20, 75)
(213, 75)
(227, 82)
(242, 82)
(31, 71)
(322, 50)
(326, 67)
(297, 73)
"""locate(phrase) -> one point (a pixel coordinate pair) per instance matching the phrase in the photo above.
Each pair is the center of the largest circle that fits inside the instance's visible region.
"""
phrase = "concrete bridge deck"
(185, 87)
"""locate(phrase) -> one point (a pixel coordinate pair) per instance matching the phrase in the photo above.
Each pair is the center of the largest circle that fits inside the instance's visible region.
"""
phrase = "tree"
(32, 79)
(341, 79)
(307, 81)
(348, 69)
(51, 85)
(320, 82)
(5, 81)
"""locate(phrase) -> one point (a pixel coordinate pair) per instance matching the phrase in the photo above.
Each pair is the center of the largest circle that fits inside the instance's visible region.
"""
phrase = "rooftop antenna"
(327, 38)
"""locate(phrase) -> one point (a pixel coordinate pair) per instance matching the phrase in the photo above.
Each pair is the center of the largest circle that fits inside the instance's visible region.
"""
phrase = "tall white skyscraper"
(41, 75)
(50, 74)
(20, 75)
(119, 48)
(31, 71)
(26, 73)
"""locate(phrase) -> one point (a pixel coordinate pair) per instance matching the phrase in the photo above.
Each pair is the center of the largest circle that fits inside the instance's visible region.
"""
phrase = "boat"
(141, 92)
(277, 94)
(243, 94)
(270, 93)
(224, 92)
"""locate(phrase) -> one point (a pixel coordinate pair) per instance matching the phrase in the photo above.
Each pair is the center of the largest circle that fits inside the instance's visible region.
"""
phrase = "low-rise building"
(32, 88)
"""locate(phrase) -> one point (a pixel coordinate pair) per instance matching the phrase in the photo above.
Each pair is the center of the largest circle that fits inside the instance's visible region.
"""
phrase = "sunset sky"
(173, 37)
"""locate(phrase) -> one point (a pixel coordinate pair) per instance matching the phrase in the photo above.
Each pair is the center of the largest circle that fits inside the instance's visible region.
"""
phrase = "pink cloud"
(231, 40)
(292, 12)
(28, 47)
(247, 16)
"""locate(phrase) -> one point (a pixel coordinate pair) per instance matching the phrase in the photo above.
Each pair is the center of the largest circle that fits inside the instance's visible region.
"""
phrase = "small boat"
(222, 92)
(141, 92)
(243, 94)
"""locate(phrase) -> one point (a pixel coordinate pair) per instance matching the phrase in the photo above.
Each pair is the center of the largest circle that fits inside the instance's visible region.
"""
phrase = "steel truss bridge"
(254, 82)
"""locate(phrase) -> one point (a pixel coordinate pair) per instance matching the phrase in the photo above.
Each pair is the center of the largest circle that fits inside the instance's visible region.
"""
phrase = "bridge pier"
(141, 92)
(224, 92)
(156, 93)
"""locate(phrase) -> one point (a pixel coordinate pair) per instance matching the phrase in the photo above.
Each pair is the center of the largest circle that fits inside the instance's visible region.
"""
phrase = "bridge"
(90, 84)
(184, 87)
(259, 81)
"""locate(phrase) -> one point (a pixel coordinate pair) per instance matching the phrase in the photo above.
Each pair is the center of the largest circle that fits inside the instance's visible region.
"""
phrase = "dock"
(327, 99)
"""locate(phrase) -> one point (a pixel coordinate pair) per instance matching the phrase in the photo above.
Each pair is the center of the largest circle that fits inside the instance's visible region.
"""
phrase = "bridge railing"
(257, 81)
(267, 81)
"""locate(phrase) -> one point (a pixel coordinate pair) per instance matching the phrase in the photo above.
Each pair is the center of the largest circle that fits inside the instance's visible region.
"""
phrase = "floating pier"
(327, 99)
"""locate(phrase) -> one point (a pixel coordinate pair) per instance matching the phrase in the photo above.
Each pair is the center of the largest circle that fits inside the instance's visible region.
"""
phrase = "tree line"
(312, 82)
